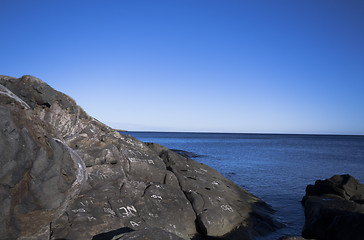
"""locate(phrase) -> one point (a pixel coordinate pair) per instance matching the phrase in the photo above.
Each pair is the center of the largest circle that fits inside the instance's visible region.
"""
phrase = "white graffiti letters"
(128, 211)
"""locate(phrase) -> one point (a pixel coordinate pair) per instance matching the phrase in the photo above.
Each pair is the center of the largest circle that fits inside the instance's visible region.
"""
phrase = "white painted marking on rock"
(134, 224)
(153, 215)
(110, 211)
(227, 208)
(91, 218)
(157, 197)
(80, 210)
(128, 211)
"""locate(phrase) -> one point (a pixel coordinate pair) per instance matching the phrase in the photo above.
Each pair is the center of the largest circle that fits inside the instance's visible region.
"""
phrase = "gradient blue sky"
(269, 66)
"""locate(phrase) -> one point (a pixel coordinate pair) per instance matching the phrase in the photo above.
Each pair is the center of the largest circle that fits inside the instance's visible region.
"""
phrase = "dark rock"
(342, 186)
(333, 209)
(112, 234)
(49, 145)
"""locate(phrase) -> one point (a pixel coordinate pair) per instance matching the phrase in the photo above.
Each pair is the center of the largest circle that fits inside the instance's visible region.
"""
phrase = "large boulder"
(65, 175)
(334, 209)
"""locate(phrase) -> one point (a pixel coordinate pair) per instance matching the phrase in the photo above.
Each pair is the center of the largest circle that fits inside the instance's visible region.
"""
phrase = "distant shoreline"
(276, 134)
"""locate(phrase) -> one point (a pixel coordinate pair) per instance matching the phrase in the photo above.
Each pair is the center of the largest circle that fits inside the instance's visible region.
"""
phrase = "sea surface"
(277, 168)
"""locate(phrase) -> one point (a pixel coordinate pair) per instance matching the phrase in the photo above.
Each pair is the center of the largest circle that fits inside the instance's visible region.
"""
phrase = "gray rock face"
(65, 175)
(334, 209)
(39, 176)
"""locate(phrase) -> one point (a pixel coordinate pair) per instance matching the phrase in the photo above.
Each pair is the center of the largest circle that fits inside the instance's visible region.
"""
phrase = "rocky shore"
(65, 175)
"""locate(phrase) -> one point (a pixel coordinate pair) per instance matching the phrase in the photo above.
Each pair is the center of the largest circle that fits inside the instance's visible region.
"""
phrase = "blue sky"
(194, 65)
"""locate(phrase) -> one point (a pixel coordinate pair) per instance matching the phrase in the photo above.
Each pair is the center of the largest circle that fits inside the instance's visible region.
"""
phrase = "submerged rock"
(291, 238)
(187, 154)
(66, 175)
(334, 209)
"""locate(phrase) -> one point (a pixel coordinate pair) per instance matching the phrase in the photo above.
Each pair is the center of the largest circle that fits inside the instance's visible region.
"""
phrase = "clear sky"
(294, 66)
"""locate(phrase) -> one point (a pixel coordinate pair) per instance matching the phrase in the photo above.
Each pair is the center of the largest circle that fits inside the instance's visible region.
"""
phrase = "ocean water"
(276, 168)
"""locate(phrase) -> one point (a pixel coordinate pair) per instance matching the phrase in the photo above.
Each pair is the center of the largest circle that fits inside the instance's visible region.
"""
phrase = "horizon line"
(257, 133)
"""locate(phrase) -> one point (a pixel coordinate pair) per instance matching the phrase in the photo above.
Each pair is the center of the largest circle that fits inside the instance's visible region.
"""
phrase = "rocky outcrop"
(66, 175)
(334, 209)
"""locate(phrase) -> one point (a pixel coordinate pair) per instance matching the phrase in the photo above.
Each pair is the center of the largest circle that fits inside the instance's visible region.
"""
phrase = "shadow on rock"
(111, 234)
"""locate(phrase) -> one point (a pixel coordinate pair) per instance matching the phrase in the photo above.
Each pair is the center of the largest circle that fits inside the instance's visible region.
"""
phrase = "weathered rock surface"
(65, 175)
(334, 209)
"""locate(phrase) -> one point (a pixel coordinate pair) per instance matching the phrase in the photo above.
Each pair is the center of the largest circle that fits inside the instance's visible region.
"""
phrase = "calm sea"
(276, 168)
